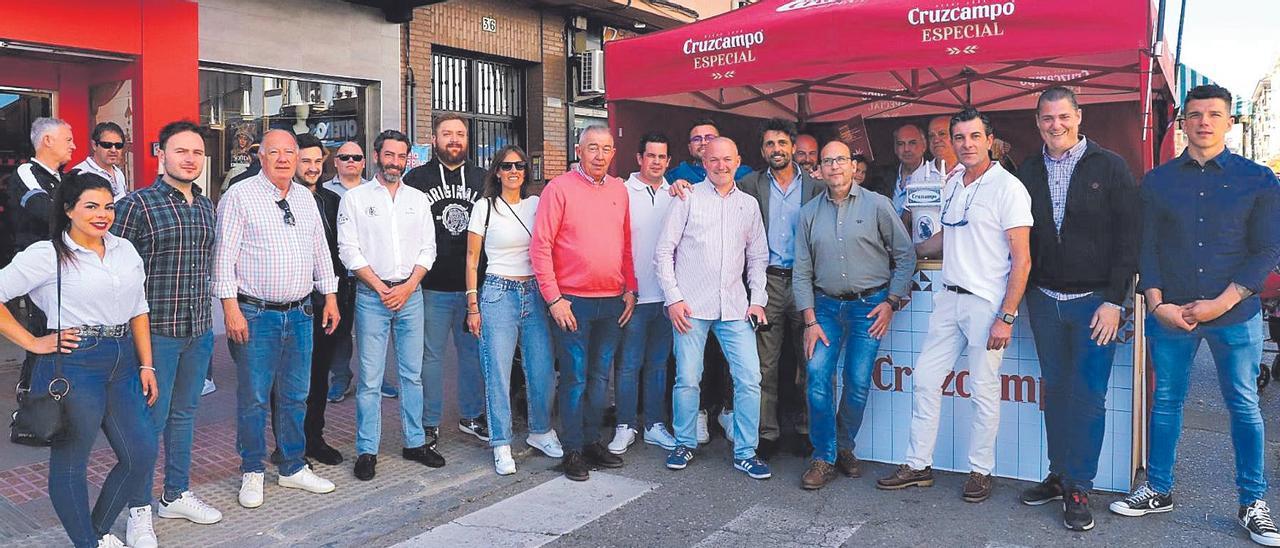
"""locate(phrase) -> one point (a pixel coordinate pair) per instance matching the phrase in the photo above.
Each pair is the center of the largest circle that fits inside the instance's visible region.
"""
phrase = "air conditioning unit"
(591, 72)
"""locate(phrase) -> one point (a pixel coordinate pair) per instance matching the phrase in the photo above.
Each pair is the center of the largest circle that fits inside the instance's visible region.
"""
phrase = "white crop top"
(507, 243)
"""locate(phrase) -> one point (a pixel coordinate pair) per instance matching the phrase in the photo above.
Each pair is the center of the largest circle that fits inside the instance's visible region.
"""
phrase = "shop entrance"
(18, 108)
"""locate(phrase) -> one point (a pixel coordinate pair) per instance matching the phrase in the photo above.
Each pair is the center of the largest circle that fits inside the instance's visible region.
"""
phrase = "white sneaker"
(139, 533)
(704, 435)
(726, 422)
(189, 507)
(548, 443)
(306, 480)
(623, 437)
(503, 464)
(110, 541)
(209, 387)
(251, 489)
(658, 435)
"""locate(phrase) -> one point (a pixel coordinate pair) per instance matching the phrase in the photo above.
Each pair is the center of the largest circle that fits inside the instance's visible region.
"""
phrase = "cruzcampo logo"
(961, 21)
(805, 4)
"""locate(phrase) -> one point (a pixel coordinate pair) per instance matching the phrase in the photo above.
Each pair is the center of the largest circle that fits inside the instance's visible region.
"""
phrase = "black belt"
(279, 307)
(860, 295)
(393, 284)
(957, 289)
(778, 271)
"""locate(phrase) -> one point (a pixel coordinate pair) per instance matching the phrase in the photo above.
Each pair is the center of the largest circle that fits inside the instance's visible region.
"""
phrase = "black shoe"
(1075, 511)
(433, 436)
(477, 427)
(1143, 501)
(324, 454)
(1046, 491)
(599, 455)
(366, 466)
(424, 455)
(766, 449)
(575, 467)
(1256, 519)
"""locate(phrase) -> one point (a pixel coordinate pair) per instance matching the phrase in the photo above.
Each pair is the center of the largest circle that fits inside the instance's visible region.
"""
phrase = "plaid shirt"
(1060, 170)
(175, 240)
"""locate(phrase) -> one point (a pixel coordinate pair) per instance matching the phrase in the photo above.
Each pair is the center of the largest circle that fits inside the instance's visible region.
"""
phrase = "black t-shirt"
(451, 200)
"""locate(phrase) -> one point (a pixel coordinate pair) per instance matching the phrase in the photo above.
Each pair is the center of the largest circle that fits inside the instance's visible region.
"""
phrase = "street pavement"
(642, 504)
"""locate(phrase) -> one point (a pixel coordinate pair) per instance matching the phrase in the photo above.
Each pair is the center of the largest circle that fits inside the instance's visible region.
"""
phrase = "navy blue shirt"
(1205, 227)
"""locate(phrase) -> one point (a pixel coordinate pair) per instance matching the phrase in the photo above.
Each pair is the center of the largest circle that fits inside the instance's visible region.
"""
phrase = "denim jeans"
(106, 395)
(343, 346)
(586, 358)
(374, 322)
(331, 352)
(646, 345)
(739, 344)
(1237, 351)
(845, 323)
(181, 364)
(513, 311)
(446, 314)
(274, 362)
(1075, 371)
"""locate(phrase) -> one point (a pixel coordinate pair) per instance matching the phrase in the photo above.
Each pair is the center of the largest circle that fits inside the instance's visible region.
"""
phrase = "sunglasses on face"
(288, 213)
(511, 166)
(351, 157)
(107, 145)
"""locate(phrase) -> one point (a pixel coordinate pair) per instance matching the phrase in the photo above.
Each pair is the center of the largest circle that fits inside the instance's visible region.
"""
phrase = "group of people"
(597, 278)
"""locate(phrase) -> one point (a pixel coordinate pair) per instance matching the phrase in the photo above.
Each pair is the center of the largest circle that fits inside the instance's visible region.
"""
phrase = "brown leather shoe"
(978, 488)
(848, 464)
(819, 474)
(905, 477)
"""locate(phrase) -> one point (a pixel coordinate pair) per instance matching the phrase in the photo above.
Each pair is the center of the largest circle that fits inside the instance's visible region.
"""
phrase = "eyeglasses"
(512, 166)
(837, 161)
(107, 145)
(351, 157)
(698, 139)
(964, 216)
(288, 213)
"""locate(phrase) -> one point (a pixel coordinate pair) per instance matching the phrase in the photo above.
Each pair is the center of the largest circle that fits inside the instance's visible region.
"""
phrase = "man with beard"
(806, 155)
(386, 237)
(107, 157)
(780, 190)
(452, 185)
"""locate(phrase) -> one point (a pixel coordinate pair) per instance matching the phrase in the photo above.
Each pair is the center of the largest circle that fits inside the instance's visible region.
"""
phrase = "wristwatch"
(895, 302)
(1006, 318)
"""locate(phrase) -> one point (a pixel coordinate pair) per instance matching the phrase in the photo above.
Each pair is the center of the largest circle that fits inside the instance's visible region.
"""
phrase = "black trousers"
(327, 349)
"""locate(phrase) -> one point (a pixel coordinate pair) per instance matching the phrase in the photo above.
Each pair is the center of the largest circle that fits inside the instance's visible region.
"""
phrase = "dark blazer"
(328, 202)
(757, 184)
(1097, 248)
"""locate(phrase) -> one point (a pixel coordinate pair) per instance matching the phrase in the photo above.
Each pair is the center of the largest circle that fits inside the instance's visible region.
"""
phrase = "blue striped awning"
(1189, 78)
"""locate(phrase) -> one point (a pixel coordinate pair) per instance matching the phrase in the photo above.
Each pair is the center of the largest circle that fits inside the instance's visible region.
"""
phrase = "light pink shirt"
(582, 238)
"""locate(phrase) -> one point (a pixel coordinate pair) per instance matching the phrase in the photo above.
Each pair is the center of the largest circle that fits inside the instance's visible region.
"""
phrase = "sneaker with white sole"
(1256, 519)
(623, 437)
(704, 435)
(1144, 500)
(306, 480)
(548, 443)
(503, 464)
(139, 532)
(659, 436)
(251, 489)
(209, 387)
(189, 507)
(110, 541)
(726, 423)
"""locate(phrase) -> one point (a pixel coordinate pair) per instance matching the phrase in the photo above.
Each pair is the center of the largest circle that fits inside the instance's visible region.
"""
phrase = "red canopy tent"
(826, 61)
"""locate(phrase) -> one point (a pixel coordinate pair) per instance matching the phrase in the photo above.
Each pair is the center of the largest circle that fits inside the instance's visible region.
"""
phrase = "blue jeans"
(181, 364)
(276, 360)
(1075, 371)
(374, 322)
(338, 350)
(739, 344)
(513, 312)
(446, 313)
(845, 324)
(106, 395)
(586, 358)
(1237, 351)
(646, 345)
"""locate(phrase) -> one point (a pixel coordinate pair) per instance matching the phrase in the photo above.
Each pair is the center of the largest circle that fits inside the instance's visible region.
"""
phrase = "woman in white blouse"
(508, 309)
(106, 354)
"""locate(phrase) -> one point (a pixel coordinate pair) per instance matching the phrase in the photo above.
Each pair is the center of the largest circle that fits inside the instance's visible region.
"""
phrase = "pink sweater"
(582, 238)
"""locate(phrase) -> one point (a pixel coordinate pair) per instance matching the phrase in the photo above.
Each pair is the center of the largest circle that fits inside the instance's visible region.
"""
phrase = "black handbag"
(41, 416)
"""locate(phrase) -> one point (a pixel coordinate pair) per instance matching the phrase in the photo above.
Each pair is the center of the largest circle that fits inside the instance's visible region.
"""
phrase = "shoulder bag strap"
(57, 332)
(518, 219)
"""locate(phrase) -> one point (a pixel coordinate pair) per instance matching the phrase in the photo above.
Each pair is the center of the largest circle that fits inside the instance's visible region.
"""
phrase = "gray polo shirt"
(851, 246)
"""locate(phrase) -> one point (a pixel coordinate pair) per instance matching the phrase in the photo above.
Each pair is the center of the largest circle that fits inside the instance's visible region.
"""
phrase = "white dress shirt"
(391, 236)
(119, 186)
(95, 291)
(648, 209)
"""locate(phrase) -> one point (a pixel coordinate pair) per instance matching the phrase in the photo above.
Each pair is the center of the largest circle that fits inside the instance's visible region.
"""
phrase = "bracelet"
(147, 368)
(553, 303)
(810, 324)
(472, 292)
(1157, 307)
(470, 313)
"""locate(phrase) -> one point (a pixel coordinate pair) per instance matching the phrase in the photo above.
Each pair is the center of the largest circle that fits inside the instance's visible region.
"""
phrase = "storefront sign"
(948, 22)
(723, 51)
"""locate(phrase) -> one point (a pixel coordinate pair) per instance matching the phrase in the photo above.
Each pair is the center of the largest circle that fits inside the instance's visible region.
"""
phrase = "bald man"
(265, 284)
(701, 279)
(806, 155)
(944, 156)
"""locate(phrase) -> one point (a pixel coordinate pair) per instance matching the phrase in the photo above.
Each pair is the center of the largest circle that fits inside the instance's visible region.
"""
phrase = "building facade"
(1264, 123)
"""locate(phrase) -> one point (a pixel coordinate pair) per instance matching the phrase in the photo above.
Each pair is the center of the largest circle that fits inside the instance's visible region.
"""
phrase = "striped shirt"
(175, 240)
(706, 242)
(1060, 170)
(259, 254)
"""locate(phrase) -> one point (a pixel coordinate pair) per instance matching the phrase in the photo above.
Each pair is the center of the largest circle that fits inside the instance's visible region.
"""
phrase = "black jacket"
(328, 201)
(26, 213)
(1097, 248)
(451, 201)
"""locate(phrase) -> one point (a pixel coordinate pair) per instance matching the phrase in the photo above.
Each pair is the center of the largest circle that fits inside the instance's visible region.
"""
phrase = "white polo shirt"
(389, 236)
(648, 209)
(119, 186)
(976, 256)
